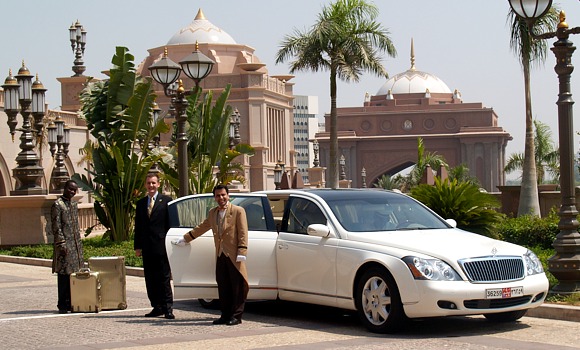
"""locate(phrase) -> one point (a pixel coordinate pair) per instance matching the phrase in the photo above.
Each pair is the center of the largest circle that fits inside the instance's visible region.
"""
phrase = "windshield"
(383, 211)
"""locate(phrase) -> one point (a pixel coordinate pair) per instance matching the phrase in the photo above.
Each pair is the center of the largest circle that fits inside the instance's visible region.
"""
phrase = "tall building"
(305, 128)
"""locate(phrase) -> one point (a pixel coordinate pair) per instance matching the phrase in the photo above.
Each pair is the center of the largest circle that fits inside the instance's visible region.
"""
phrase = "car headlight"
(533, 263)
(430, 269)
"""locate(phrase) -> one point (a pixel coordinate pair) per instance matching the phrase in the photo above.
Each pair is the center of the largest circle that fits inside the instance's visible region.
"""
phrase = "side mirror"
(318, 230)
(451, 222)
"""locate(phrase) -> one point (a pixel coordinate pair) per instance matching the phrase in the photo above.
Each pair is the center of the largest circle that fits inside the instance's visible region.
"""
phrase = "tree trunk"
(332, 180)
(529, 201)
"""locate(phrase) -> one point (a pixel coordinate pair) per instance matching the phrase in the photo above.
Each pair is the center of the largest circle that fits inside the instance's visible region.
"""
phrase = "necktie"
(150, 207)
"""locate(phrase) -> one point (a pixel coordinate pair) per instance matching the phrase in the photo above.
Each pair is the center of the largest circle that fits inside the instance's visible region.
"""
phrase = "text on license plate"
(500, 293)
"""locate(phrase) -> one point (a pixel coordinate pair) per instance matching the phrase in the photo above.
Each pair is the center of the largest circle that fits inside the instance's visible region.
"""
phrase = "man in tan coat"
(230, 231)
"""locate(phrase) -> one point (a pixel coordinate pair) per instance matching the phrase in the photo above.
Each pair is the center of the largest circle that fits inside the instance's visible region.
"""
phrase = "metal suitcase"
(112, 275)
(85, 291)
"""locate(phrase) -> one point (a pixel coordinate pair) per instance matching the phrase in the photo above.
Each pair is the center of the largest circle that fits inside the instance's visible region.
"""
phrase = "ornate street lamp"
(363, 175)
(565, 264)
(21, 93)
(78, 40)
(58, 140)
(279, 171)
(316, 148)
(342, 163)
(277, 175)
(166, 72)
(234, 131)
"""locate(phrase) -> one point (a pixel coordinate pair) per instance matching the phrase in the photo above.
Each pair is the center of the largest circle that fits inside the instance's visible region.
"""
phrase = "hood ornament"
(494, 251)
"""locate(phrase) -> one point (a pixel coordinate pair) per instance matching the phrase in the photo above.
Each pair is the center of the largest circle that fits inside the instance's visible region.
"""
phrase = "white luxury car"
(381, 253)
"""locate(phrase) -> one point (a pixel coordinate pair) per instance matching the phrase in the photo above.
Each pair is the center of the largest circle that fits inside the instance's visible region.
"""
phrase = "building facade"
(381, 136)
(265, 102)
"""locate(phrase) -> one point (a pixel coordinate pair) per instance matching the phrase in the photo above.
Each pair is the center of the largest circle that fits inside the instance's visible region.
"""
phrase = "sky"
(463, 42)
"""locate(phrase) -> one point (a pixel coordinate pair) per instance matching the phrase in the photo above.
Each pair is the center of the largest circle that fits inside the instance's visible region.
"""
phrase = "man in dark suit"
(230, 231)
(151, 226)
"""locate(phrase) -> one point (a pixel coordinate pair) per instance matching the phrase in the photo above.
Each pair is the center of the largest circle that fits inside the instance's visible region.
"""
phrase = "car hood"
(444, 244)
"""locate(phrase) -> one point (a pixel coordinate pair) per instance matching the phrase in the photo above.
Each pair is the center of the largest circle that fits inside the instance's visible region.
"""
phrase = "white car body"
(324, 265)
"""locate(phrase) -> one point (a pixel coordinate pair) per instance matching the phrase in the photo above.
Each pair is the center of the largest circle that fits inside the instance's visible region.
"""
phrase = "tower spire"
(412, 55)
(200, 14)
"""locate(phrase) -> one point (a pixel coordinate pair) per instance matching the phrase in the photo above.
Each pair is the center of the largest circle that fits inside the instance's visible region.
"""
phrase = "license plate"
(501, 293)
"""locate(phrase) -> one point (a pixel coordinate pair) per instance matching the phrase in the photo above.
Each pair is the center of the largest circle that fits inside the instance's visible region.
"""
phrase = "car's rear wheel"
(378, 302)
(212, 304)
(508, 316)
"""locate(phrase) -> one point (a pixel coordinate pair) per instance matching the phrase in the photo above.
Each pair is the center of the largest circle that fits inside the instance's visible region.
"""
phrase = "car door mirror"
(451, 222)
(318, 230)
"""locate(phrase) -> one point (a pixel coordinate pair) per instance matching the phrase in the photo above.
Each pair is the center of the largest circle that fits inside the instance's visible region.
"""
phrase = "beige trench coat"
(234, 239)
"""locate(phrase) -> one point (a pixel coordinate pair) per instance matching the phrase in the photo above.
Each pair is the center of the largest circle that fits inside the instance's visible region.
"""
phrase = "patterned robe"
(65, 228)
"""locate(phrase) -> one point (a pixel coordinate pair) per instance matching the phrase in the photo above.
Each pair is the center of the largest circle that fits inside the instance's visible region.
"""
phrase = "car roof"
(329, 194)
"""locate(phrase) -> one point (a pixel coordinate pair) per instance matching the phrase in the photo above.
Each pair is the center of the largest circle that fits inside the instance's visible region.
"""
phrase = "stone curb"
(131, 271)
(549, 311)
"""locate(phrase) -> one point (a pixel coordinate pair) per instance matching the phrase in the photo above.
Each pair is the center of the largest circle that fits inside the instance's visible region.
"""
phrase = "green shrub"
(530, 231)
(97, 246)
(472, 209)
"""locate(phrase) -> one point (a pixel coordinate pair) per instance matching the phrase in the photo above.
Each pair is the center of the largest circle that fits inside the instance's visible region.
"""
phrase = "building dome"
(413, 81)
(202, 31)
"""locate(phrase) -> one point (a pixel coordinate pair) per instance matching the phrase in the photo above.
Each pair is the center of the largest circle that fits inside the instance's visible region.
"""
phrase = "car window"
(301, 213)
(190, 212)
(254, 212)
(386, 213)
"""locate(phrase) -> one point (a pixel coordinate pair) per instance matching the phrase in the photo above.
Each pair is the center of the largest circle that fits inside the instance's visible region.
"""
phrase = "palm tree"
(388, 182)
(424, 160)
(346, 40)
(530, 51)
(208, 146)
(547, 156)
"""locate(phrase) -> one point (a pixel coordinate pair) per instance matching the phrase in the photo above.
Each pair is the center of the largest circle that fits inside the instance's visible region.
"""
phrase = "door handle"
(282, 246)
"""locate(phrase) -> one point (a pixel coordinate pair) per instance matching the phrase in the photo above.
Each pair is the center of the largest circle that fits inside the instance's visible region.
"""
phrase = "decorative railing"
(88, 218)
(70, 118)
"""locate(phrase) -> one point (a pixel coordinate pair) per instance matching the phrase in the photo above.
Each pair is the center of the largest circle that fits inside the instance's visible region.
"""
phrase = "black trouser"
(158, 281)
(232, 288)
(63, 283)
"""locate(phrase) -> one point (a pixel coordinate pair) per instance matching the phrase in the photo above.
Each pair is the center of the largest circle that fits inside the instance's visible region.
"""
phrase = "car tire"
(378, 302)
(509, 316)
(212, 304)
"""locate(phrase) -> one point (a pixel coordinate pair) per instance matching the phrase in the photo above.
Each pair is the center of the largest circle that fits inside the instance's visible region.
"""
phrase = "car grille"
(496, 303)
(493, 269)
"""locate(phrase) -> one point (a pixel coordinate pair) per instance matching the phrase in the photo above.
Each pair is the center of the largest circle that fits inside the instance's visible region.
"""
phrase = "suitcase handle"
(84, 273)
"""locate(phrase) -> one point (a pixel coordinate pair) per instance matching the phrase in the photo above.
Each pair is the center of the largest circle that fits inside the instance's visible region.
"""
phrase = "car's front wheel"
(378, 302)
(508, 316)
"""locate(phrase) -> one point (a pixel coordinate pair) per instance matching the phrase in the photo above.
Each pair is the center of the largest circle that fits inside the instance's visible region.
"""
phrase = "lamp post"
(196, 66)
(316, 148)
(234, 138)
(22, 94)
(565, 264)
(78, 40)
(58, 140)
(156, 139)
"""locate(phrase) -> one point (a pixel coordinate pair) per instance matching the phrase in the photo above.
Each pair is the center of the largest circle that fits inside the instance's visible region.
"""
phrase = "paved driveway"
(28, 320)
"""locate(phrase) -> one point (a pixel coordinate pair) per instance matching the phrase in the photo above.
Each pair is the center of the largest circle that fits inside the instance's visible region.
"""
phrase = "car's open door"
(193, 266)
